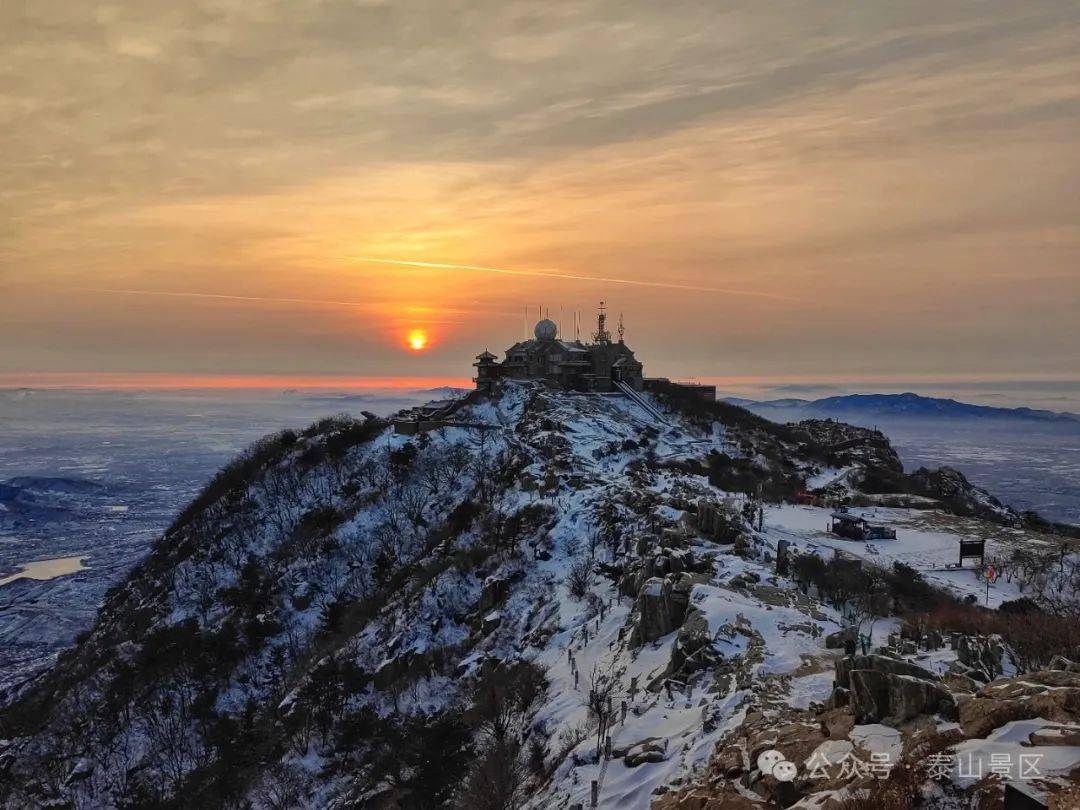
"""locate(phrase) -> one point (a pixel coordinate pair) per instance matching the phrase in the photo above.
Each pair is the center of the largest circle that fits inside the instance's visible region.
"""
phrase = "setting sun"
(417, 340)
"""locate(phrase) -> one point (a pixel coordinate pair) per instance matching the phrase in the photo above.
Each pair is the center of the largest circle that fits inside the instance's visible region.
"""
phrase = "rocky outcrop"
(882, 663)
(845, 635)
(1061, 662)
(1052, 694)
(953, 490)
(661, 607)
(878, 696)
(655, 612)
(692, 651)
(899, 692)
(719, 521)
(982, 654)
(1056, 735)
(659, 558)
(879, 688)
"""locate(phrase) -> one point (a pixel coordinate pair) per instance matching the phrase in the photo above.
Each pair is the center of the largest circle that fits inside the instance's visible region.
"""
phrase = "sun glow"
(417, 340)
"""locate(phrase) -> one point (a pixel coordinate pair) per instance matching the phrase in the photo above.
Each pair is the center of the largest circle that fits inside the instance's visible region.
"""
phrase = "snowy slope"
(342, 585)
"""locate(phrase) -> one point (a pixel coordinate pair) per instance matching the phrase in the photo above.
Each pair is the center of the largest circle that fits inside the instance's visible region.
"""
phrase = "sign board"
(972, 548)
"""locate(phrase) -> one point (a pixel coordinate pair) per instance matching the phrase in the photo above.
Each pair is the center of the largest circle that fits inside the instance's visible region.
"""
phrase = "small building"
(854, 527)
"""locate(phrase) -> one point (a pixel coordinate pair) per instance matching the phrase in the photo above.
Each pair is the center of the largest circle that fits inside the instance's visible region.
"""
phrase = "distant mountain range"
(897, 405)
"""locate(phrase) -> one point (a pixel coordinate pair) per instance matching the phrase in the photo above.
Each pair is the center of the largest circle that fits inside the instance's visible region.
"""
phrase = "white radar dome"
(546, 330)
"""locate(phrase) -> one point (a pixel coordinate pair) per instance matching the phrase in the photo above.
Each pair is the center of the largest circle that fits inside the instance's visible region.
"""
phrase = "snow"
(765, 629)
(875, 738)
(1007, 749)
(813, 688)
(830, 475)
(830, 752)
(926, 540)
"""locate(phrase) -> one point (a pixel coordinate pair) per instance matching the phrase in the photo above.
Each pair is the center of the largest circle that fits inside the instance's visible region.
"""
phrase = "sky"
(242, 189)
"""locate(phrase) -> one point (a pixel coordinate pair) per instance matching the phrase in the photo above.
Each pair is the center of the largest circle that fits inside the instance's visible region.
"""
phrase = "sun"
(417, 340)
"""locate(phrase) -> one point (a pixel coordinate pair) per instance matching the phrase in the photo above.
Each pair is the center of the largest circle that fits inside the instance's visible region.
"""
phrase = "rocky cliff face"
(349, 617)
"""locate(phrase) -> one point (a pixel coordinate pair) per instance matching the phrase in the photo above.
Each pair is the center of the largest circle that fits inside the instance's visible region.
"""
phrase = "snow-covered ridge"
(345, 600)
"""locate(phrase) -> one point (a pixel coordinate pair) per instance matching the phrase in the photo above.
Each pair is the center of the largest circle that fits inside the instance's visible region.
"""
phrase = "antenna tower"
(602, 334)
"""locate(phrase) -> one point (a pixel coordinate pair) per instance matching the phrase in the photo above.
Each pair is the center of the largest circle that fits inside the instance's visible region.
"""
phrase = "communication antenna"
(602, 335)
(622, 331)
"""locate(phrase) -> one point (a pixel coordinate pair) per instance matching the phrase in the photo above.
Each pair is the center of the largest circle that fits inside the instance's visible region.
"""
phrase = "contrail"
(224, 297)
(543, 274)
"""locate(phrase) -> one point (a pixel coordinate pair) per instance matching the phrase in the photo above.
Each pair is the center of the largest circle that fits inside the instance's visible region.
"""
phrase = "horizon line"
(164, 380)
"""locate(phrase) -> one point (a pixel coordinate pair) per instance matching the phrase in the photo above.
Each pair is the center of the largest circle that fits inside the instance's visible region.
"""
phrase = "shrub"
(579, 577)
(1033, 638)
(912, 592)
(1021, 605)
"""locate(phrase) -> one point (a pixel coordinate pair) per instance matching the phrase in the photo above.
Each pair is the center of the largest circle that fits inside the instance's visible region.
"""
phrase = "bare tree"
(603, 687)
(866, 607)
(579, 577)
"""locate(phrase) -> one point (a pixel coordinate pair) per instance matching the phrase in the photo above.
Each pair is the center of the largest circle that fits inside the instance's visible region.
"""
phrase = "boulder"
(494, 592)
(651, 749)
(729, 761)
(878, 696)
(491, 622)
(680, 596)
(837, 723)
(836, 641)
(981, 653)
(910, 697)
(654, 609)
(1063, 663)
(1052, 694)
(958, 682)
(841, 696)
(869, 694)
(1056, 735)
(882, 663)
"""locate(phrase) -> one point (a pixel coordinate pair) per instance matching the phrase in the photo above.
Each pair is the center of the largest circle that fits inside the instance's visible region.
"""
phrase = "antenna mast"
(602, 335)
(622, 330)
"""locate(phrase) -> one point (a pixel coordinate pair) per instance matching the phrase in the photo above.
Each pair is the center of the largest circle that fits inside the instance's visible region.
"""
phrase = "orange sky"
(198, 190)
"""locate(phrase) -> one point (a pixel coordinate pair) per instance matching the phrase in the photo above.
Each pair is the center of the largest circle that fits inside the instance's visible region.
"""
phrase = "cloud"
(917, 158)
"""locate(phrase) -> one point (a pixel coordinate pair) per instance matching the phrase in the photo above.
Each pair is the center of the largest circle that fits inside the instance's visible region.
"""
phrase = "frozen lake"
(47, 569)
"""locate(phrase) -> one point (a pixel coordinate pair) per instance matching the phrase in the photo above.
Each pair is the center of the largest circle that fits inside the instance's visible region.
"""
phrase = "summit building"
(605, 364)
